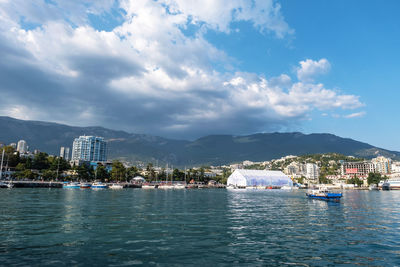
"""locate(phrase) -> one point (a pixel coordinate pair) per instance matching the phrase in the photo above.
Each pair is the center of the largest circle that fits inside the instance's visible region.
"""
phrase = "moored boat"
(99, 185)
(116, 186)
(85, 185)
(179, 186)
(324, 194)
(390, 184)
(165, 186)
(149, 186)
(71, 185)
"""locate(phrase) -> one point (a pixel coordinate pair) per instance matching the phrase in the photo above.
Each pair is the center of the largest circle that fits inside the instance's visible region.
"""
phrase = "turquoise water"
(197, 227)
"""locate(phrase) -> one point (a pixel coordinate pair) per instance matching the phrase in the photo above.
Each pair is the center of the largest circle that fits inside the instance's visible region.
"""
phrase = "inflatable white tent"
(243, 178)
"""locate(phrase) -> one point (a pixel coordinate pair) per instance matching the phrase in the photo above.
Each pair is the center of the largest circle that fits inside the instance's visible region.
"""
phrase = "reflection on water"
(163, 227)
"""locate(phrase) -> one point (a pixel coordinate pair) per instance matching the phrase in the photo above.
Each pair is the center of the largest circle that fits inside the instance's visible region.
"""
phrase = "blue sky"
(184, 69)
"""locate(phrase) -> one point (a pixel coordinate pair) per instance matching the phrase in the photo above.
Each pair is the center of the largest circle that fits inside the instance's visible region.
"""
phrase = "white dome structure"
(243, 178)
(139, 179)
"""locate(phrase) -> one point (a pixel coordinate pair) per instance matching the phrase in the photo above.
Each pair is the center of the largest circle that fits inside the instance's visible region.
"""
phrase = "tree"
(20, 167)
(84, 172)
(150, 171)
(301, 180)
(25, 174)
(101, 172)
(132, 172)
(58, 163)
(355, 180)
(374, 178)
(118, 171)
(202, 177)
(49, 175)
(323, 179)
(40, 161)
(178, 175)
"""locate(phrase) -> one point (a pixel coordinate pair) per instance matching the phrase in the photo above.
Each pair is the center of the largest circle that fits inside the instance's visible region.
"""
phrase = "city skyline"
(182, 70)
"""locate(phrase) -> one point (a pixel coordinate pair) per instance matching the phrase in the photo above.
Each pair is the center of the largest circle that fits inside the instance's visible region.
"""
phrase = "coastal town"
(88, 161)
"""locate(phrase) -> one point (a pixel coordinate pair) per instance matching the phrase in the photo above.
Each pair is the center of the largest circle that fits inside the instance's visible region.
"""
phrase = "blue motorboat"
(324, 194)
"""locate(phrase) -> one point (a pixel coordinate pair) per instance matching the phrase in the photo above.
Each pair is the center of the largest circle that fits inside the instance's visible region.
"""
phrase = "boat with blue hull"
(99, 185)
(71, 185)
(324, 194)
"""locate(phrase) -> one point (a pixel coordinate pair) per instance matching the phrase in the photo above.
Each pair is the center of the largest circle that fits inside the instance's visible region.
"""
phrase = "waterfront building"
(64, 153)
(357, 168)
(22, 147)
(248, 163)
(295, 169)
(210, 174)
(244, 178)
(89, 148)
(312, 171)
(395, 167)
(382, 165)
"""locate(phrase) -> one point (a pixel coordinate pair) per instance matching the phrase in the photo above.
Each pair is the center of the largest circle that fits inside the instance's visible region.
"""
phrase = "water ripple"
(197, 227)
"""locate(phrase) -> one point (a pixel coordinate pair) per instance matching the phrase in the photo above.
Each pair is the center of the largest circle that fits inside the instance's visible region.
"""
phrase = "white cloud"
(355, 115)
(146, 75)
(309, 69)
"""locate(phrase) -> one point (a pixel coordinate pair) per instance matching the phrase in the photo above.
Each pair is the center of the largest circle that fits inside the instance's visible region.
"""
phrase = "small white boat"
(116, 186)
(165, 186)
(179, 186)
(99, 185)
(149, 186)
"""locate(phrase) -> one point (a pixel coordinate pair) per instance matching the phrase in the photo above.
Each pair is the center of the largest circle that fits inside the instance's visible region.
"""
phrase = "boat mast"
(166, 175)
(1, 167)
(58, 167)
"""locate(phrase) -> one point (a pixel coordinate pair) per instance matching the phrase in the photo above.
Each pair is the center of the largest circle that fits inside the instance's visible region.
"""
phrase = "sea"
(197, 227)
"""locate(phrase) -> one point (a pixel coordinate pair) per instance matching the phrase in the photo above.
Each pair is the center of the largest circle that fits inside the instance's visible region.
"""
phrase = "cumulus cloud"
(309, 69)
(146, 75)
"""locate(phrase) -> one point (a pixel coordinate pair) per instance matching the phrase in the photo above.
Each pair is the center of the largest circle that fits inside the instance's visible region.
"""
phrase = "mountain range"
(208, 150)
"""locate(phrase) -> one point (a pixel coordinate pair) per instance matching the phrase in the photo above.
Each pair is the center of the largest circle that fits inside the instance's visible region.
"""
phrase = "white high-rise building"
(89, 148)
(22, 147)
(312, 171)
(64, 153)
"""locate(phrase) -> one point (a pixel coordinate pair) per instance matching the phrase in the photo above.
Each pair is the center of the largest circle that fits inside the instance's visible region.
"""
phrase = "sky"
(185, 68)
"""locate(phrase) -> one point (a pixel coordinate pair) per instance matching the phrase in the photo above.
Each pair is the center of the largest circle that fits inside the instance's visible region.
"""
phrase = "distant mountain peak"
(207, 150)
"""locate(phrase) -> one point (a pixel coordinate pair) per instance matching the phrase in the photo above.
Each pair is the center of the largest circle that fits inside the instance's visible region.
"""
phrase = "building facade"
(64, 153)
(357, 168)
(22, 147)
(382, 165)
(312, 171)
(89, 148)
(395, 167)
